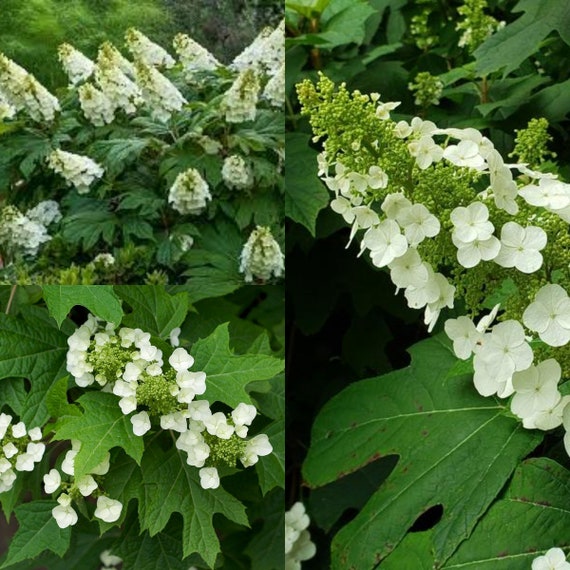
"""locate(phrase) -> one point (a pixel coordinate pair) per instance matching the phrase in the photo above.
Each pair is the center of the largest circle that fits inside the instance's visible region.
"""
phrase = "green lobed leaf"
(38, 531)
(99, 428)
(455, 448)
(509, 47)
(56, 400)
(171, 486)
(228, 374)
(32, 348)
(154, 310)
(533, 516)
(101, 300)
(305, 194)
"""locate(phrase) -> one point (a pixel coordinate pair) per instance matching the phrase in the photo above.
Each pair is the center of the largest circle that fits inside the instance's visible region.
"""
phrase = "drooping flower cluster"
(193, 56)
(240, 100)
(190, 193)
(20, 450)
(159, 93)
(79, 171)
(261, 256)
(7, 111)
(298, 544)
(236, 173)
(154, 392)
(107, 509)
(146, 51)
(25, 233)
(448, 217)
(553, 559)
(96, 106)
(77, 66)
(21, 90)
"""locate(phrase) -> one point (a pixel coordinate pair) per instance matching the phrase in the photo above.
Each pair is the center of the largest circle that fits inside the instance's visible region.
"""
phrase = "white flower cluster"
(240, 100)
(159, 93)
(190, 193)
(274, 90)
(503, 358)
(129, 365)
(193, 56)
(108, 510)
(298, 544)
(266, 54)
(112, 76)
(553, 559)
(45, 213)
(77, 66)
(23, 233)
(79, 171)
(21, 90)
(104, 259)
(109, 561)
(20, 450)
(236, 173)
(7, 111)
(147, 52)
(96, 106)
(261, 256)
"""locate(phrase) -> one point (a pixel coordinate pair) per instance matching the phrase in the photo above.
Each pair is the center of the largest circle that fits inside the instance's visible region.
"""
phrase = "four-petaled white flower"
(554, 559)
(471, 223)
(549, 315)
(425, 151)
(465, 336)
(465, 153)
(209, 478)
(418, 223)
(108, 510)
(385, 242)
(141, 423)
(520, 247)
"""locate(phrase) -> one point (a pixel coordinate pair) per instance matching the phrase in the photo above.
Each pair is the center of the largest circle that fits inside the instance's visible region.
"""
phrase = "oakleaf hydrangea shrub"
(459, 227)
(124, 427)
(141, 151)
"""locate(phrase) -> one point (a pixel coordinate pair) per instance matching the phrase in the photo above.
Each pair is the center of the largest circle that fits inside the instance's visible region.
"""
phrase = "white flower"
(408, 270)
(536, 388)
(146, 51)
(502, 184)
(217, 424)
(141, 423)
(75, 64)
(209, 478)
(520, 247)
(383, 109)
(550, 194)
(108, 559)
(256, 447)
(19, 430)
(86, 485)
(68, 464)
(504, 351)
(261, 257)
(385, 242)
(465, 153)
(180, 360)
(418, 223)
(4, 465)
(173, 337)
(36, 451)
(298, 544)
(423, 293)
(52, 481)
(471, 223)
(108, 510)
(24, 462)
(175, 421)
(240, 101)
(193, 56)
(46, 212)
(274, 90)
(425, 151)
(79, 171)
(64, 514)
(5, 421)
(554, 559)
(444, 299)
(198, 454)
(236, 173)
(190, 193)
(7, 480)
(9, 450)
(244, 414)
(96, 106)
(103, 467)
(159, 93)
(464, 334)
(549, 315)
(128, 404)
(199, 410)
